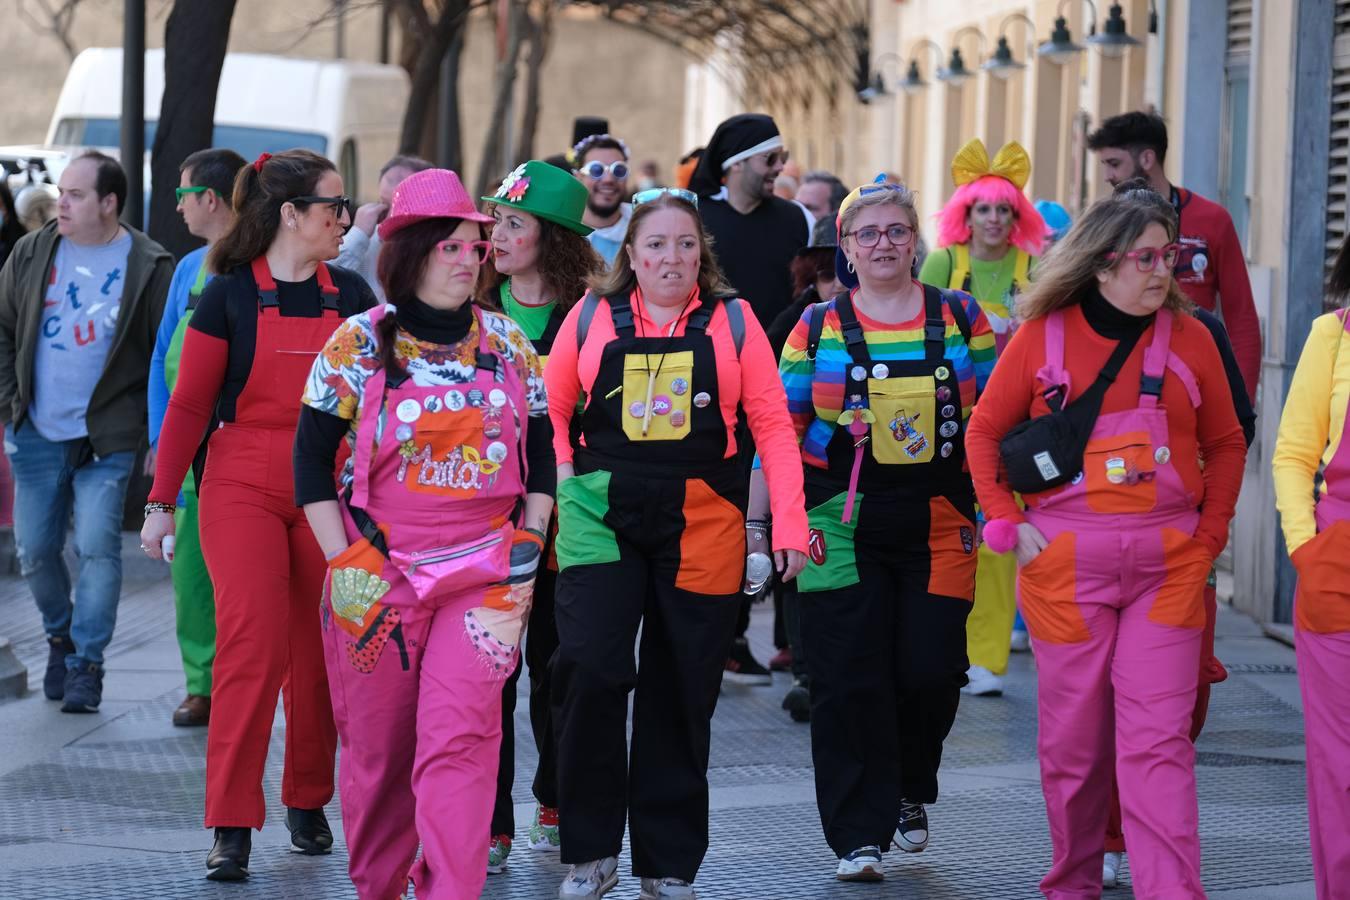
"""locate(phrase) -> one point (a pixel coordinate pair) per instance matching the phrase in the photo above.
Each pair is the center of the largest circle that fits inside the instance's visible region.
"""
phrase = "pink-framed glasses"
(1147, 258)
(453, 251)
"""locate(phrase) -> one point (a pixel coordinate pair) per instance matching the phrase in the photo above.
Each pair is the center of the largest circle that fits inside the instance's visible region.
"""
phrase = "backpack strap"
(958, 313)
(1052, 376)
(1021, 270)
(815, 324)
(736, 322)
(958, 257)
(1155, 360)
(589, 304)
(934, 325)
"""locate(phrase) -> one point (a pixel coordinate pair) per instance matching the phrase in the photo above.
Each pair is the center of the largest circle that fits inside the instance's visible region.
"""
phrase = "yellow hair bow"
(972, 162)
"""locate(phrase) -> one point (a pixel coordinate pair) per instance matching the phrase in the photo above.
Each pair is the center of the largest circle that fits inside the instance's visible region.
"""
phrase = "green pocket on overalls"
(831, 561)
(583, 536)
(905, 429)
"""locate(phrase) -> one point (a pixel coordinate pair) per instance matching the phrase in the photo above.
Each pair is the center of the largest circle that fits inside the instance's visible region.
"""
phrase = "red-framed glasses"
(1147, 258)
(453, 251)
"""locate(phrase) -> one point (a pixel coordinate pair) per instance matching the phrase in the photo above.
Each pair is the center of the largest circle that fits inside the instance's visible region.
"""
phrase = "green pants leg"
(194, 600)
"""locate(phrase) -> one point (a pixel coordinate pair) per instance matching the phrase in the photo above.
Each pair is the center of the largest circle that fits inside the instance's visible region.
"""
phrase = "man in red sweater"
(1210, 269)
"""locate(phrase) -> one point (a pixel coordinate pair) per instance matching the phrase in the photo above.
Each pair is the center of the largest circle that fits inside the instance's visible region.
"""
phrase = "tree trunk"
(426, 75)
(490, 164)
(195, 37)
(540, 34)
(449, 143)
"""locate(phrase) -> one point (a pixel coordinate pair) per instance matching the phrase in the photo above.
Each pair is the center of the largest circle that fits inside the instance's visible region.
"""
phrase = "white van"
(349, 111)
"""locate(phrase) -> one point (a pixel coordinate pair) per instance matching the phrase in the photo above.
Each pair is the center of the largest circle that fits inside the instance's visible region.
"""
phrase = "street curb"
(13, 674)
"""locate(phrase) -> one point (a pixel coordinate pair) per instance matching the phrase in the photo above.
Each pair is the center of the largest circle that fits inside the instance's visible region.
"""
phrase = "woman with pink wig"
(988, 235)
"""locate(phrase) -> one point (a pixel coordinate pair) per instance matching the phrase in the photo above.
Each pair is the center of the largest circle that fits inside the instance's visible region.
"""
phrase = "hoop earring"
(850, 267)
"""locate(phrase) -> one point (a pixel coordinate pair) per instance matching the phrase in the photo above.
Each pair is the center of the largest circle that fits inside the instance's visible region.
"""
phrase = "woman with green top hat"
(539, 267)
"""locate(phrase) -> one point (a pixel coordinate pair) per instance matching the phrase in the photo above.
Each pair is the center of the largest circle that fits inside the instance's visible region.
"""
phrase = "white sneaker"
(863, 864)
(1111, 868)
(1019, 642)
(666, 889)
(593, 879)
(983, 683)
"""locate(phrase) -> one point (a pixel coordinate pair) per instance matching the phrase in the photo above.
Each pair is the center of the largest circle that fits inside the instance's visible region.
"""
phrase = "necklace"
(647, 361)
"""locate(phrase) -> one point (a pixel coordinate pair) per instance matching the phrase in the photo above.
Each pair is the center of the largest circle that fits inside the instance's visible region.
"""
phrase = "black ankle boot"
(310, 833)
(228, 859)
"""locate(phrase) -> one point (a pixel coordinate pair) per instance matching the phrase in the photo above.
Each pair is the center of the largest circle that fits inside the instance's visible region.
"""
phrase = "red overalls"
(267, 571)
(1322, 642)
(1114, 607)
(417, 683)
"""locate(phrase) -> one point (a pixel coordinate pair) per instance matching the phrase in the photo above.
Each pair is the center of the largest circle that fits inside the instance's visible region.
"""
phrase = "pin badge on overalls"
(403, 433)
(475, 397)
(948, 411)
(947, 429)
(496, 452)
(946, 450)
(432, 403)
(1162, 455)
(660, 405)
(880, 370)
(942, 373)
(637, 409)
(408, 410)
(677, 418)
(857, 373)
(944, 393)
(679, 386)
(702, 399)
(497, 398)
(492, 423)
(1115, 470)
(454, 400)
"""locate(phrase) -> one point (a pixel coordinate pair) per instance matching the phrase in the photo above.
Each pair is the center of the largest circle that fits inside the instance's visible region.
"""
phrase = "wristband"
(154, 506)
(543, 538)
(760, 524)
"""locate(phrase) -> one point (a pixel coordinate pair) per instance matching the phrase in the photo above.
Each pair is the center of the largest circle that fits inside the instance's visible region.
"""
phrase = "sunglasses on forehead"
(651, 194)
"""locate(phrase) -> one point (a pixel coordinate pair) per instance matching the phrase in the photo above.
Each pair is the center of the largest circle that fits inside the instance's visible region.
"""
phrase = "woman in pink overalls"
(432, 547)
(1311, 436)
(1113, 562)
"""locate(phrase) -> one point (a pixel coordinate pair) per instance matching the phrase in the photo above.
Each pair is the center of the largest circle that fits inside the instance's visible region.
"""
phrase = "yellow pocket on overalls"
(658, 395)
(906, 427)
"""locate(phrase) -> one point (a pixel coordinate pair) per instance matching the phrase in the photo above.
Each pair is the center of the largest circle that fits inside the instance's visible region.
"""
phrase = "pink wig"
(1029, 231)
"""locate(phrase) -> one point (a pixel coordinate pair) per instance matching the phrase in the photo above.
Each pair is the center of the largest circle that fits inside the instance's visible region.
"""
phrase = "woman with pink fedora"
(432, 546)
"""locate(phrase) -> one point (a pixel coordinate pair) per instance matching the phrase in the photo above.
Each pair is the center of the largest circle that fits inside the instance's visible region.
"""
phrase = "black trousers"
(660, 786)
(541, 639)
(887, 660)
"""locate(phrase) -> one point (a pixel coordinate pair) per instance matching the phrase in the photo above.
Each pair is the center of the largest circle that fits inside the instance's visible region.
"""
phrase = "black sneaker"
(83, 689)
(228, 859)
(911, 832)
(310, 833)
(742, 668)
(54, 682)
(797, 701)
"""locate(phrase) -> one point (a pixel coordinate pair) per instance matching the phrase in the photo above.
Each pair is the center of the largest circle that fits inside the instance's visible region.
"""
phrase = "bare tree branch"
(57, 19)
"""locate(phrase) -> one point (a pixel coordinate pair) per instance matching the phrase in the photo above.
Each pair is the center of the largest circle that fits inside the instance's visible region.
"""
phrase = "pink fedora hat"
(430, 194)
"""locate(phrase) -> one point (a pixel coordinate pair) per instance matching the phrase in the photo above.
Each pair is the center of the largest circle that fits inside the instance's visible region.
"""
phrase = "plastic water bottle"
(166, 547)
(758, 568)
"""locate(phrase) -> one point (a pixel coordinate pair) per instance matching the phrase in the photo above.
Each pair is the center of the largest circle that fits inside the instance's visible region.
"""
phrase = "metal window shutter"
(1240, 27)
(1338, 170)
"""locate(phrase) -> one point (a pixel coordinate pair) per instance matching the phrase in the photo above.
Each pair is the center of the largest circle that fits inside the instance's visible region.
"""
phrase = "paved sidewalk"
(107, 806)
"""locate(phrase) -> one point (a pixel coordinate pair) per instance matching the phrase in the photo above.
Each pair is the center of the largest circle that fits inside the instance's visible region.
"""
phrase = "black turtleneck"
(435, 326)
(1109, 321)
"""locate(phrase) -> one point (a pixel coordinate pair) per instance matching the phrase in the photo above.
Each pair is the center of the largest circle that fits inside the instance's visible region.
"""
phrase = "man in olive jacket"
(80, 300)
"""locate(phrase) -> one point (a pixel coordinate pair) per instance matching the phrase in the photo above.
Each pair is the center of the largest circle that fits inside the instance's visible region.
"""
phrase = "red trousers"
(1209, 668)
(268, 572)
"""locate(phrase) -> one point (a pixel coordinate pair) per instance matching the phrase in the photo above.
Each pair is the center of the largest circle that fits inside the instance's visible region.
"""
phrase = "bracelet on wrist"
(538, 533)
(757, 524)
(154, 506)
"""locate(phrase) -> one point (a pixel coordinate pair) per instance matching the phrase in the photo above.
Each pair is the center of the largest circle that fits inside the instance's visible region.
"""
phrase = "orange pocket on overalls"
(1120, 472)
(1322, 602)
(1047, 594)
(712, 546)
(442, 453)
(658, 393)
(1181, 598)
(951, 551)
(905, 429)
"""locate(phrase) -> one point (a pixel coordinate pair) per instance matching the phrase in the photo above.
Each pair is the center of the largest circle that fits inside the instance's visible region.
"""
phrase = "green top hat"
(547, 192)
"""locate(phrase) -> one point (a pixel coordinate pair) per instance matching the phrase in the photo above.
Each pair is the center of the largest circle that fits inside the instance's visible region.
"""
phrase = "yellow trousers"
(989, 627)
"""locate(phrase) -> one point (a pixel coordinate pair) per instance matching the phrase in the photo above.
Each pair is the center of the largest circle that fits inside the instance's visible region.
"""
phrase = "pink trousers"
(1116, 619)
(420, 733)
(1323, 674)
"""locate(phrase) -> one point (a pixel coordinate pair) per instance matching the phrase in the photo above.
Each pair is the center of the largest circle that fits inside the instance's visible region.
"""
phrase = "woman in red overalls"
(1113, 562)
(1312, 437)
(253, 337)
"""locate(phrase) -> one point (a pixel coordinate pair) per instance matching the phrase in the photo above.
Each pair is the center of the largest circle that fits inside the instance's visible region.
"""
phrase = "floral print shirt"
(337, 381)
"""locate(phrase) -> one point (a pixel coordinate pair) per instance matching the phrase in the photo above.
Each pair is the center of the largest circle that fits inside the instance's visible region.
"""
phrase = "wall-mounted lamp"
(876, 87)
(1002, 65)
(913, 82)
(956, 72)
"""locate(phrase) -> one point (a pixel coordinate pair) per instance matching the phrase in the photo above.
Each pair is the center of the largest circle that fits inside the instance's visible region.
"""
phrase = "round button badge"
(677, 418)
(702, 399)
(637, 409)
(946, 450)
(942, 373)
(432, 403)
(881, 370)
(496, 452)
(497, 398)
(947, 429)
(475, 397)
(408, 410)
(660, 405)
(454, 400)
(679, 386)
(1162, 455)
(944, 393)
(403, 432)
(948, 411)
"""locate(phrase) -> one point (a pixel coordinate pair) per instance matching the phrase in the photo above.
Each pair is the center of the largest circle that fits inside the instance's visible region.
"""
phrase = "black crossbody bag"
(1047, 451)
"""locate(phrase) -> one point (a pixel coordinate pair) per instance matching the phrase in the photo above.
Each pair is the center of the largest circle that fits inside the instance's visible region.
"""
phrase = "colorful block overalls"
(416, 674)
(1115, 611)
(991, 619)
(885, 595)
(650, 534)
(267, 571)
(1322, 642)
(194, 601)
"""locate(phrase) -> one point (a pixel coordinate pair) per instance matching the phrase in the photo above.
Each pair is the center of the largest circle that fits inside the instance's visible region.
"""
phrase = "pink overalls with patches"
(1322, 642)
(1115, 610)
(416, 681)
